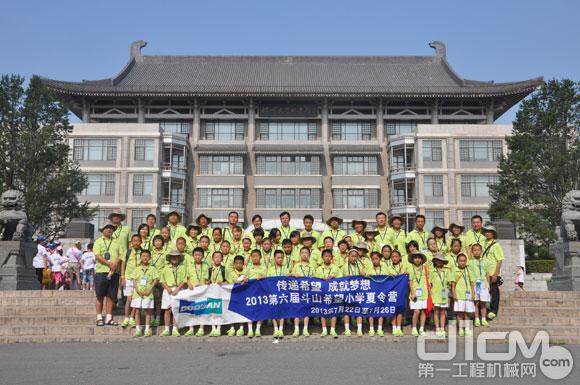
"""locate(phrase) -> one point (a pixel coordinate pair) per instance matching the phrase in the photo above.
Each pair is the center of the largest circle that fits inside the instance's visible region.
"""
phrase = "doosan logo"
(208, 306)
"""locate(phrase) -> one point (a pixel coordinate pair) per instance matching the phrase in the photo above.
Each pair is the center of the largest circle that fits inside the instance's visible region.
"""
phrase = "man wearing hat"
(456, 232)
(474, 235)
(419, 234)
(493, 253)
(176, 229)
(358, 227)
(335, 232)
(108, 258)
(122, 233)
(203, 221)
(396, 235)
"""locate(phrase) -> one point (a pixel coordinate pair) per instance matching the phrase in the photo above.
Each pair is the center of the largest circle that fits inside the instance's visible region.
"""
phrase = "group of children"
(452, 273)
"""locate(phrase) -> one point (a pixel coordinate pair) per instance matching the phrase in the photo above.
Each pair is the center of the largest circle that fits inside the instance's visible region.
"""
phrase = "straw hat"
(117, 213)
(208, 219)
(174, 253)
(453, 224)
(412, 256)
(334, 217)
(106, 224)
(357, 221)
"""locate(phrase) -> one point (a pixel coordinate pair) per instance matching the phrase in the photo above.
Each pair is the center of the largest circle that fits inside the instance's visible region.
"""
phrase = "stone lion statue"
(13, 219)
(570, 221)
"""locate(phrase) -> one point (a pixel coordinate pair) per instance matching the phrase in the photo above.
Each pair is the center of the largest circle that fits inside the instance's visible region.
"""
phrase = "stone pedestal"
(514, 255)
(16, 271)
(566, 275)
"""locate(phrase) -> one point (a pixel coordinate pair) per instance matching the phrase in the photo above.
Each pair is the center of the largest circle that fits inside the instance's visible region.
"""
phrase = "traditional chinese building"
(325, 135)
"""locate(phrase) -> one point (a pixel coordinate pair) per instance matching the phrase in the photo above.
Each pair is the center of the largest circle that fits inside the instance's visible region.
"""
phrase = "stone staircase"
(68, 316)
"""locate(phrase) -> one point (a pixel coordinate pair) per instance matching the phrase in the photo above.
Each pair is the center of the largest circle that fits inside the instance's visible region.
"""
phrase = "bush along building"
(325, 135)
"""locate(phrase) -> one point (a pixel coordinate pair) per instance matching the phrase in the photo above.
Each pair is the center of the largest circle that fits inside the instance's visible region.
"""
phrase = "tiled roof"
(421, 76)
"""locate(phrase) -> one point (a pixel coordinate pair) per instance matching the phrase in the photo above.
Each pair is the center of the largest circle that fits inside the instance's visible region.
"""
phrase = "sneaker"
(148, 333)
(275, 334)
(125, 324)
(476, 323)
(333, 334)
(258, 333)
(359, 333)
(240, 332)
(372, 332)
(250, 333)
(280, 334)
(461, 333)
(401, 333)
(175, 332)
(347, 333)
(138, 333)
(484, 323)
(468, 332)
(324, 333)
(296, 333)
(415, 332)
(380, 333)
(421, 332)
(491, 315)
(305, 333)
(189, 333)
(232, 332)
(200, 332)
(165, 333)
(132, 322)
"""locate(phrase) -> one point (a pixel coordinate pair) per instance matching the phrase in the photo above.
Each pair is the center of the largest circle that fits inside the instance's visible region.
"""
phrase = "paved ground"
(221, 362)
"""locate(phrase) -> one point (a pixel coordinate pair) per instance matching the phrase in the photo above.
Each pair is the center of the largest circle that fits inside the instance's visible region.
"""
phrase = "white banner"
(205, 305)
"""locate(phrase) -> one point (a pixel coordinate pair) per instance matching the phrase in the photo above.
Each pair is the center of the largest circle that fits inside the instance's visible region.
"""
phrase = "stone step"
(41, 320)
(46, 301)
(46, 293)
(58, 330)
(565, 295)
(512, 320)
(543, 303)
(540, 312)
(47, 310)
(556, 330)
(70, 338)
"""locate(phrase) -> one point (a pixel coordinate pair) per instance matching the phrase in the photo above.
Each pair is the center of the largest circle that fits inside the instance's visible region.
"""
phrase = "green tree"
(542, 163)
(33, 141)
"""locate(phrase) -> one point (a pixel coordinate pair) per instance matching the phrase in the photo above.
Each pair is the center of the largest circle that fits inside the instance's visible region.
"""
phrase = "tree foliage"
(33, 141)
(542, 163)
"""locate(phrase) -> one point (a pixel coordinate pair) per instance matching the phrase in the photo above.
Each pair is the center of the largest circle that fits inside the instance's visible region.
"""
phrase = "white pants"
(166, 299)
(142, 303)
(483, 295)
(418, 305)
(464, 306)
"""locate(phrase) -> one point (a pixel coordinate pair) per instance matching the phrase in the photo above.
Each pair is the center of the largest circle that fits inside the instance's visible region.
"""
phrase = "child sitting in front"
(440, 278)
(326, 271)
(173, 278)
(144, 277)
(463, 288)
(278, 269)
(302, 269)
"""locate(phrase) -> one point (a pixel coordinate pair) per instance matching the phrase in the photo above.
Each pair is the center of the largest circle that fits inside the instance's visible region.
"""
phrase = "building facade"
(345, 136)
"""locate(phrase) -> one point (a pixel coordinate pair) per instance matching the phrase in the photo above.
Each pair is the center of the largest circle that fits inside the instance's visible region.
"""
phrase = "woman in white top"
(39, 261)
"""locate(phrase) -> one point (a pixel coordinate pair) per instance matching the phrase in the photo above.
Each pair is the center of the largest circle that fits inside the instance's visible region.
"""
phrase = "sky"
(486, 40)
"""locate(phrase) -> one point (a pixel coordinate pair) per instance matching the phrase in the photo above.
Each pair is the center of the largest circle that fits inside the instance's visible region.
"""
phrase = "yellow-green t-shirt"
(197, 275)
(382, 269)
(418, 281)
(303, 270)
(349, 269)
(398, 269)
(103, 246)
(173, 276)
(440, 280)
(255, 272)
(493, 253)
(122, 235)
(324, 271)
(463, 279)
(144, 277)
(397, 240)
(132, 261)
(420, 237)
(278, 271)
(158, 258)
(336, 235)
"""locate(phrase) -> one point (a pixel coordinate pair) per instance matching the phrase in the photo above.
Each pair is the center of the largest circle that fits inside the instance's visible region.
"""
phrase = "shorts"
(142, 303)
(38, 271)
(106, 287)
(128, 288)
(483, 295)
(418, 305)
(89, 276)
(57, 276)
(166, 300)
(464, 306)
(441, 305)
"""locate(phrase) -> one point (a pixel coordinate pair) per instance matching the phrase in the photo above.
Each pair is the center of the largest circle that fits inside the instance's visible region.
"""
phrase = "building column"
(140, 111)
(383, 159)
(489, 112)
(435, 113)
(86, 111)
(327, 201)
(250, 199)
(194, 157)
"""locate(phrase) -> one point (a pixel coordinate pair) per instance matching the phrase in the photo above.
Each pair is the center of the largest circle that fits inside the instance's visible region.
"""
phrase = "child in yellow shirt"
(396, 267)
(378, 267)
(327, 271)
(236, 275)
(354, 267)
(255, 270)
(278, 269)
(197, 275)
(302, 269)
(418, 291)
(463, 288)
(173, 278)
(145, 277)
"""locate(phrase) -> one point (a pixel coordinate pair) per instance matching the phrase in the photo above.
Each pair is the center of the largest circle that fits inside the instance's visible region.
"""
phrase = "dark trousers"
(494, 293)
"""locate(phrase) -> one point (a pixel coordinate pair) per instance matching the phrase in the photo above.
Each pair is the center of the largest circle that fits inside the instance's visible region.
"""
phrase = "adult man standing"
(335, 232)
(285, 228)
(474, 235)
(418, 234)
(382, 238)
(122, 232)
(108, 257)
(176, 229)
(396, 236)
(228, 232)
(493, 253)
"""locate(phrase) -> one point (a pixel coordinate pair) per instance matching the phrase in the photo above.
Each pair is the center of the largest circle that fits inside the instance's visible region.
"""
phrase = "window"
(432, 151)
(287, 131)
(433, 185)
(355, 165)
(288, 165)
(476, 185)
(174, 157)
(220, 198)
(434, 218)
(396, 128)
(218, 130)
(356, 198)
(143, 149)
(100, 184)
(138, 217)
(221, 165)
(173, 192)
(480, 150)
(356, 130)
(467, 214)
(176, 127)
(293, 198)
(142, 185)
(95, 149)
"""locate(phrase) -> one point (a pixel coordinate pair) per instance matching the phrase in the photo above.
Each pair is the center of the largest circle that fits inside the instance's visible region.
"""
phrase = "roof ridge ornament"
(136, 50)
(440, 49)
